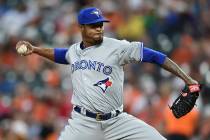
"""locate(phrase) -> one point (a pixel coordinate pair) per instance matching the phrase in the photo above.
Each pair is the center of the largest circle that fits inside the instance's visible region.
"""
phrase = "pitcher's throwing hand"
(24, 48)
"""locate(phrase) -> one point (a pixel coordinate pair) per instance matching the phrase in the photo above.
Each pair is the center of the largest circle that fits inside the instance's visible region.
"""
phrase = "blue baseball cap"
(91, 15)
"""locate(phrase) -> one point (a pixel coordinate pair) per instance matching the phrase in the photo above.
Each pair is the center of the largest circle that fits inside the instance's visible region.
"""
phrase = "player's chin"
(98, 38)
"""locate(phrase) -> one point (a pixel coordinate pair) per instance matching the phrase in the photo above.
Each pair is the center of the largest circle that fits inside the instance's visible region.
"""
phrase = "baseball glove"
(186, 101)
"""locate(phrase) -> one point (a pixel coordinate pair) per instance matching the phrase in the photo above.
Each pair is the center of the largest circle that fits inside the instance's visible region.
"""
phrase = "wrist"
(191, 81)
(35, 49)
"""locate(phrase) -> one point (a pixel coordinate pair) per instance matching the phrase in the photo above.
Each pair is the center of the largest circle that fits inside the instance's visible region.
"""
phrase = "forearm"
(57, 55)
(44, 52)
(172, 67)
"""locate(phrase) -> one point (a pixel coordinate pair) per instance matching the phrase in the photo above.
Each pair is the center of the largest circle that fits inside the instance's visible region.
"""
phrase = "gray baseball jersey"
(97, 73)
(97, 78)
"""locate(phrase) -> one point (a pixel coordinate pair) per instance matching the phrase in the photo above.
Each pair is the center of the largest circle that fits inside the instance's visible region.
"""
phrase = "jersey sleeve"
(60, 55)
(153, 56)
(67, 56)
(130, 52)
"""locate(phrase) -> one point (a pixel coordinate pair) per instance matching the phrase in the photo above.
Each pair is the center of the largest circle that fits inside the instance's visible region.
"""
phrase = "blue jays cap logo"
(91, 15)
(97, 13)
(104, 84)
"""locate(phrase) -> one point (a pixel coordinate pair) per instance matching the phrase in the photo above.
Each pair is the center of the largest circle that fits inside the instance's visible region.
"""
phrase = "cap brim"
(98, 21)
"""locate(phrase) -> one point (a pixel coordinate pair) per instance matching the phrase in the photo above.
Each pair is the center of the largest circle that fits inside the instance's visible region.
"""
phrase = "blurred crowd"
(35, 93)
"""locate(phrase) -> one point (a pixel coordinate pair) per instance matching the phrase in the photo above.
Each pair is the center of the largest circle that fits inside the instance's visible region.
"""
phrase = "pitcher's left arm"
(152, 56)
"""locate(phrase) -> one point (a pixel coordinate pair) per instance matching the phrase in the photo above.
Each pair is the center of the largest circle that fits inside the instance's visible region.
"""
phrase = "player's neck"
(83, 46)
(86, 44)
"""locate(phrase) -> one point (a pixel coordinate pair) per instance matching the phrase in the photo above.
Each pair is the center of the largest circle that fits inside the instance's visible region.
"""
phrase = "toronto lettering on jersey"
(91, 65)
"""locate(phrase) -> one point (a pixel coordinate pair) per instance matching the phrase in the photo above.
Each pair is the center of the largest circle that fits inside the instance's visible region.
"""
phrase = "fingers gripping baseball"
(24, 48)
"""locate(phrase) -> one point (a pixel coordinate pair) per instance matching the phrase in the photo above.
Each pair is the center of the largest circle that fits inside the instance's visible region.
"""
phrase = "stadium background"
(35, 94)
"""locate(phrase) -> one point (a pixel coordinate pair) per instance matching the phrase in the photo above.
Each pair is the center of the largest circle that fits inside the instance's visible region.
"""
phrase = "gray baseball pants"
(122, 127)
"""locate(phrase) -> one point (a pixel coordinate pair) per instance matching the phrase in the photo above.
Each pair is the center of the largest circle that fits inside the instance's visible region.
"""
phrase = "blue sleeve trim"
(153, 56)
(60, 55)
(141, 51)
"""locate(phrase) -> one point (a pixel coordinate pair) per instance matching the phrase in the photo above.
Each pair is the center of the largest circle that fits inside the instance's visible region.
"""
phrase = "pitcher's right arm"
(57, 55)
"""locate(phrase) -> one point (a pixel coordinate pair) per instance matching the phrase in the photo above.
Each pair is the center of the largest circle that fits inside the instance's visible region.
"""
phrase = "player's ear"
(81, 27)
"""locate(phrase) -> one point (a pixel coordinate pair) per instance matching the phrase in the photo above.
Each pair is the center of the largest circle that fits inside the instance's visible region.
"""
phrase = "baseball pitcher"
(96, 65)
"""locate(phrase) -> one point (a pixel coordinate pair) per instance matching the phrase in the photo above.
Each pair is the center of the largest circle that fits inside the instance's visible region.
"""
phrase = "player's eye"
(96, 25)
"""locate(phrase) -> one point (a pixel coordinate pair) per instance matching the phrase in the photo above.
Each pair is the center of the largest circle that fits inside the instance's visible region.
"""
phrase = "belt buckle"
(98, 116)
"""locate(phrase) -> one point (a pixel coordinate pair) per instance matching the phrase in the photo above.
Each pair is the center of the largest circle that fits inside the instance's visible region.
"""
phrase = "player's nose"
(98, 28)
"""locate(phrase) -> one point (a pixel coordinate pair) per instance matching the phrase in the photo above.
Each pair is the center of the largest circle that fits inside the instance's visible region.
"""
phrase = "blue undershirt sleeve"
(60, 55)
(152, 56)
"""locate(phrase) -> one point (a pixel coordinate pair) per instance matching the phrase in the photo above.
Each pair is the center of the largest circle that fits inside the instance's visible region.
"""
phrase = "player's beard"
(95, 39)
(92, 38)
(99, 39)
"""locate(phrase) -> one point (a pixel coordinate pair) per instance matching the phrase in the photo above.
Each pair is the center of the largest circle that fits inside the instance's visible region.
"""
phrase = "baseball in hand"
(22, 49)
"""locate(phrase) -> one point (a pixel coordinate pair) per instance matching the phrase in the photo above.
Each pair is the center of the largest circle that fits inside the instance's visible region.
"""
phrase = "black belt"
(98, 116)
